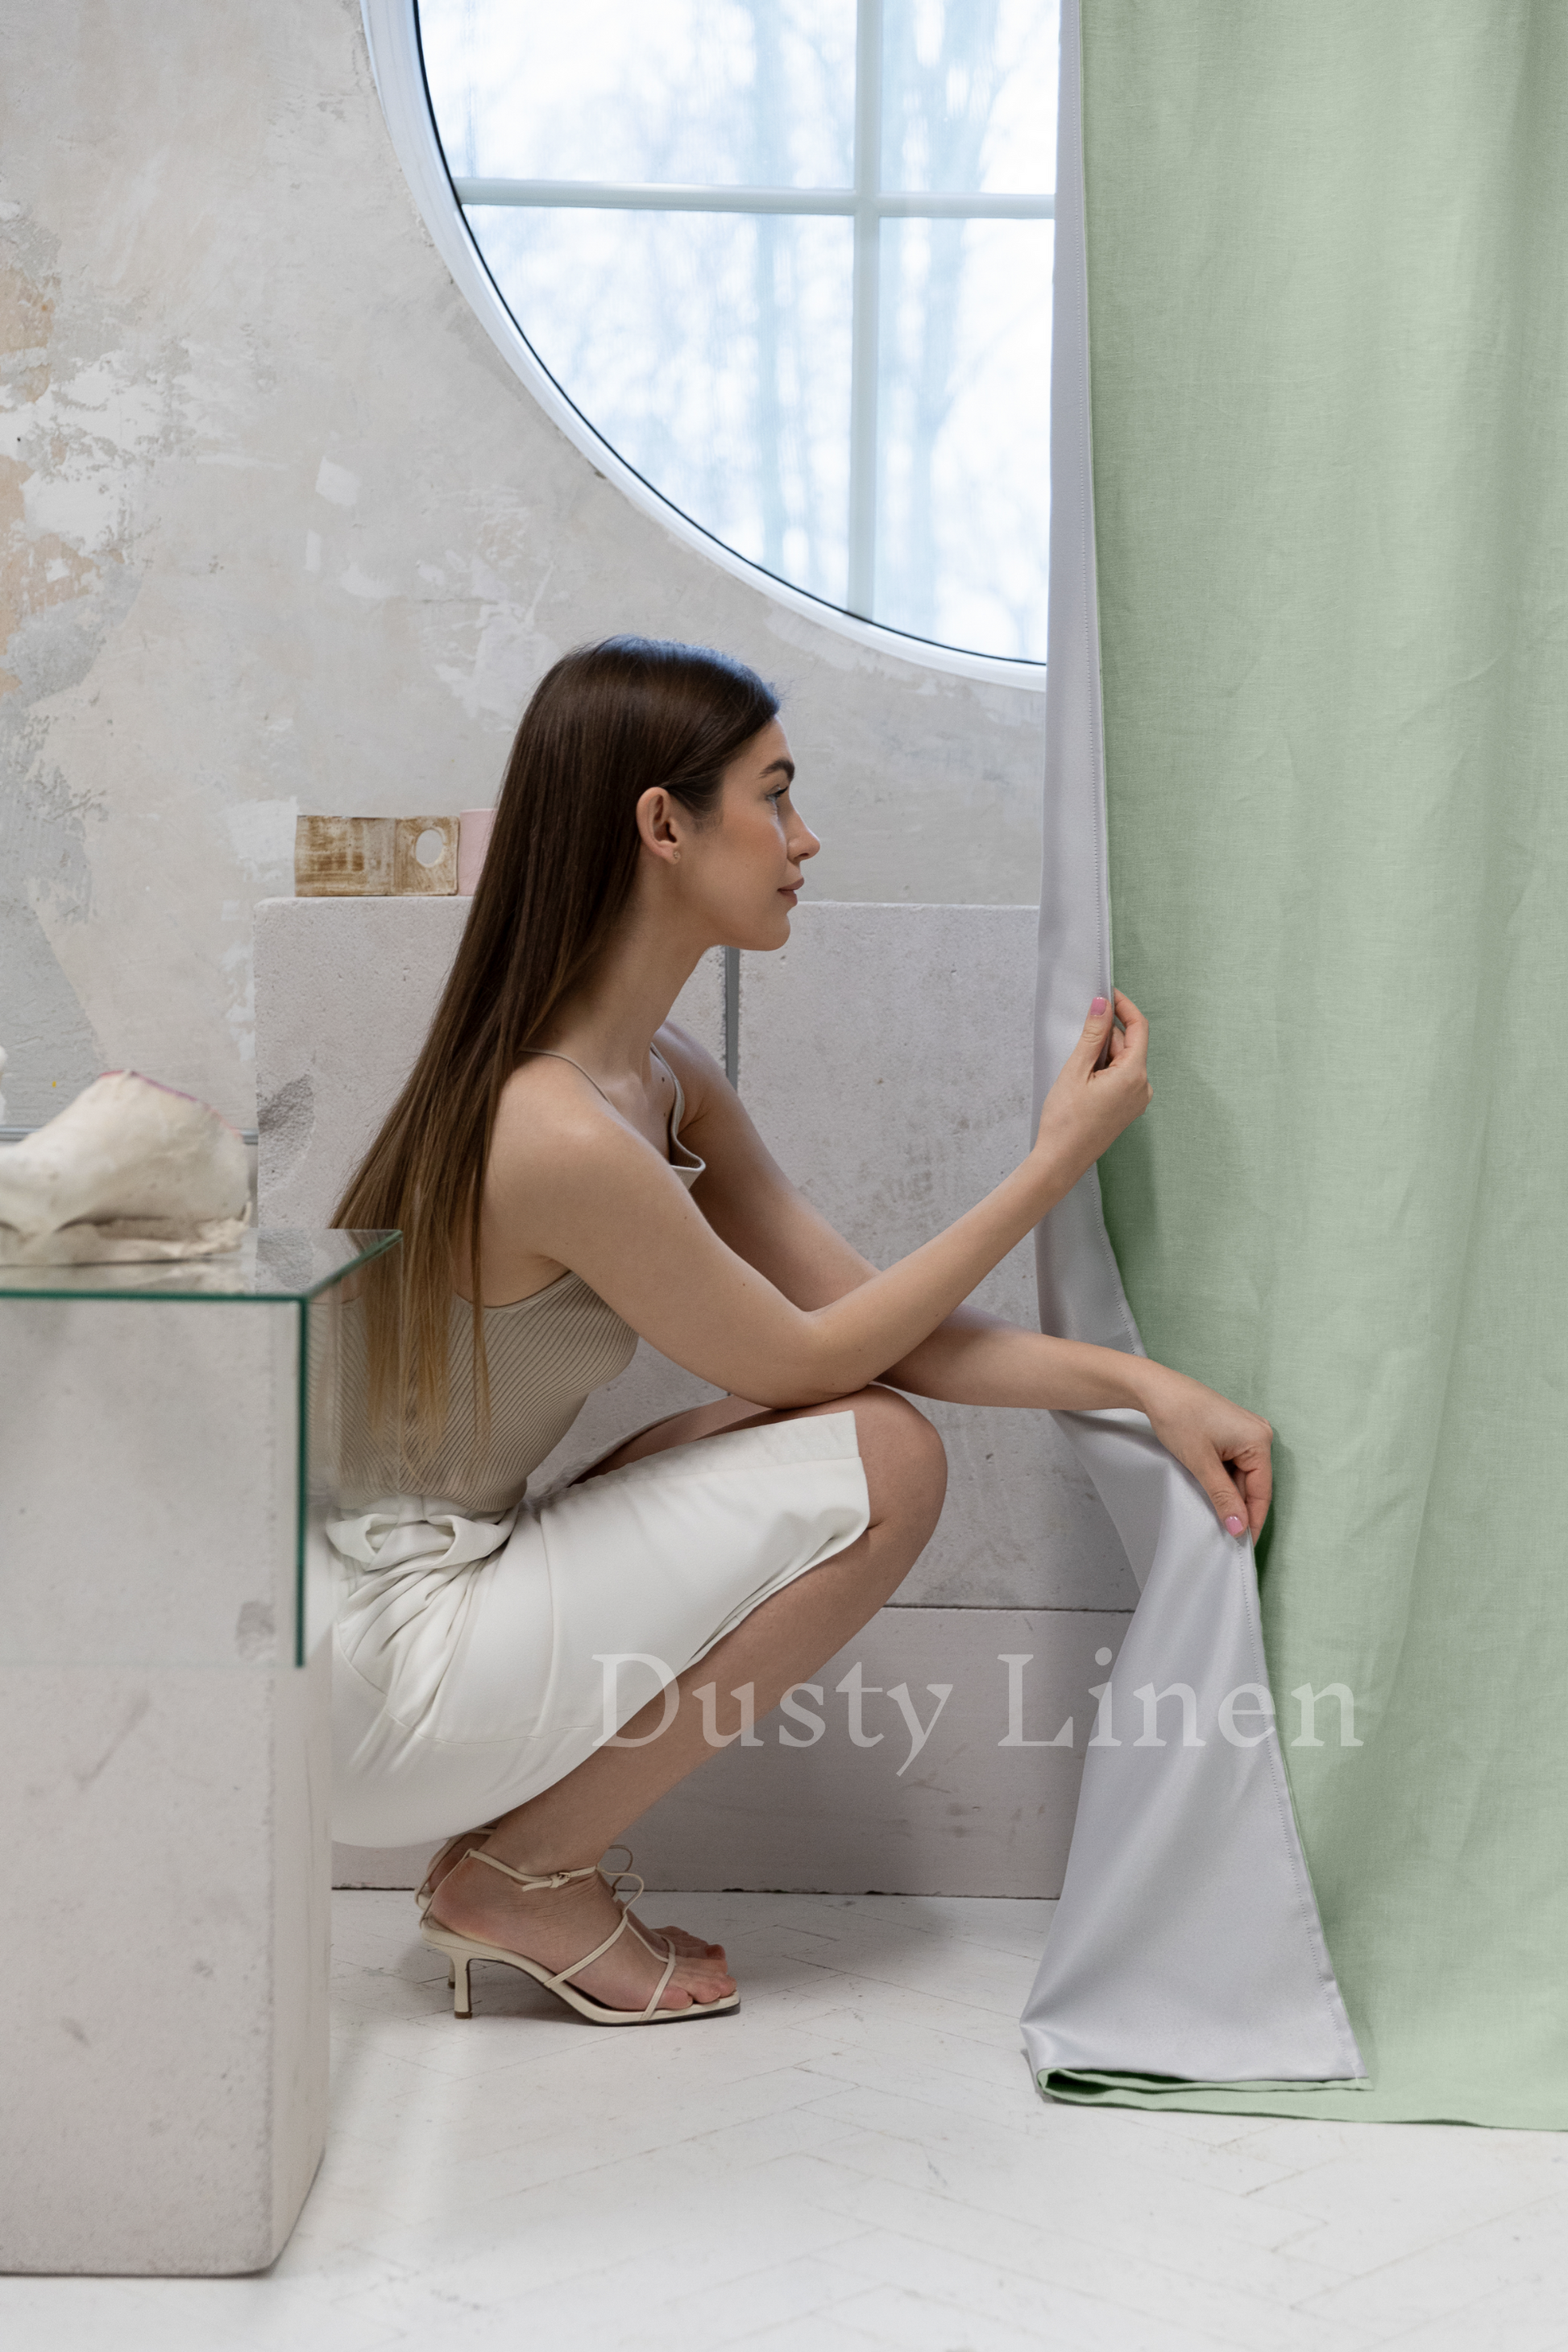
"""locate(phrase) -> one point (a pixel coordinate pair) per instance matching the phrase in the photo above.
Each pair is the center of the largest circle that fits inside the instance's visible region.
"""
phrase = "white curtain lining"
(1186, 1943)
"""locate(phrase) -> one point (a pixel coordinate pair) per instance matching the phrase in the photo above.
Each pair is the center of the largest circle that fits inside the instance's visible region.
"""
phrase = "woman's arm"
(972, 1357)
(576, 1185)
(977, 1358)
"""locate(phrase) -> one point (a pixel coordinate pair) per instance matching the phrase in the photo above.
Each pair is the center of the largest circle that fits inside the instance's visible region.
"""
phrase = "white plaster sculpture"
(131, 1170)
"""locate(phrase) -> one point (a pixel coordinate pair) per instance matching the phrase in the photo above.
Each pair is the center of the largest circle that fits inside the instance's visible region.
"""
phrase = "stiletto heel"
(462, 1951)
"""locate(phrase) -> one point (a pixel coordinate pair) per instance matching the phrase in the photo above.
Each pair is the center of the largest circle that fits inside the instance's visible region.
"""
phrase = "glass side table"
(166, 1465)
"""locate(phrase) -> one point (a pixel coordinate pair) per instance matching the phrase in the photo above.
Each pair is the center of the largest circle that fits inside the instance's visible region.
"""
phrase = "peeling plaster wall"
(280, 530)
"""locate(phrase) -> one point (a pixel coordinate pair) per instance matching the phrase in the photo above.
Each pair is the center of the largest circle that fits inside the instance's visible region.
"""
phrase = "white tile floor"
(857, 2160)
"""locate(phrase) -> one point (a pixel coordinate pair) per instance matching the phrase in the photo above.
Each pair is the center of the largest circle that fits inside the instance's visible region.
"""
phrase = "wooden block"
(425, 857)
(343, 856)
(375, 856)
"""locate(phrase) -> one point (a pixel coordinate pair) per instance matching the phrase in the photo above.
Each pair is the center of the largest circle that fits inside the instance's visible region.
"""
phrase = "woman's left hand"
(1226, 1448)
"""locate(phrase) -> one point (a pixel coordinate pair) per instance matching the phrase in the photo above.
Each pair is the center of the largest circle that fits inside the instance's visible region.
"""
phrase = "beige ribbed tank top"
(546, 1355)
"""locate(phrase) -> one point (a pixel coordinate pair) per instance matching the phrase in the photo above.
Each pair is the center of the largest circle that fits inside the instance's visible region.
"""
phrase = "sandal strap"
(664, 1949)
(565, 1976)
(669, 1955)
(533, 1884)
(661, 1987)
(424, 1889)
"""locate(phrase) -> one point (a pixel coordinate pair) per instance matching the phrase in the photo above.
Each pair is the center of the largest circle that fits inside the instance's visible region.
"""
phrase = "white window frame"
(393, 36)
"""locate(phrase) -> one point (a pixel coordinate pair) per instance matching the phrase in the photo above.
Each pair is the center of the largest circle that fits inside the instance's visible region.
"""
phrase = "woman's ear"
(658, 824)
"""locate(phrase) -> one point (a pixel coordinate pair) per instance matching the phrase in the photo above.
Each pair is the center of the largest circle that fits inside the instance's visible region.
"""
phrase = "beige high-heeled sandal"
(461, 1951)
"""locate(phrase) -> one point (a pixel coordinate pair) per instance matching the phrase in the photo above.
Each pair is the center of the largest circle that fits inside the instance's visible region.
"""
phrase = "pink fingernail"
(1098, 1005)
(1234, 1526)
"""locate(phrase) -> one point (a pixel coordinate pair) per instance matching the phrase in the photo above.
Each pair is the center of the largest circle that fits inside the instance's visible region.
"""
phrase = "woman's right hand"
(1088, 1107)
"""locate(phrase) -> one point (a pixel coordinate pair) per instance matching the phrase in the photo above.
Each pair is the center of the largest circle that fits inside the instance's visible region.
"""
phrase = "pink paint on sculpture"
(473, 840)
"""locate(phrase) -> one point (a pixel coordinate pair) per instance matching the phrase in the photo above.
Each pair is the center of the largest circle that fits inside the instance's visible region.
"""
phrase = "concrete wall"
(885, 1054)
(280, 530)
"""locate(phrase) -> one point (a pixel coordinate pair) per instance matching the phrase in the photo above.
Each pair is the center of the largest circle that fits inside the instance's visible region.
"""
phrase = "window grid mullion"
(649, 196)
(865, 309)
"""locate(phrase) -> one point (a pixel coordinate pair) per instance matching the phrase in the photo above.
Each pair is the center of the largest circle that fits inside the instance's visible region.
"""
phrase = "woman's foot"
(690, 1947)
(557, 1925)
(448, 1856)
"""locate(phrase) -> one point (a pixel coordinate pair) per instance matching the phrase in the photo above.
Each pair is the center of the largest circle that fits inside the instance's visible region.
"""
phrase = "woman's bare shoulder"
(560, 1155)
(544, 1085)
(550, 1122)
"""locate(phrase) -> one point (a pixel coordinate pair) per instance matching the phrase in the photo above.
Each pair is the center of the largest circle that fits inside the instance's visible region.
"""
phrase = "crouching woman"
(570, 1169)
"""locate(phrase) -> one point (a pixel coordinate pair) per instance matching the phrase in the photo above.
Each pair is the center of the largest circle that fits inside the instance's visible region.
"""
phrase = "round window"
(791, 260)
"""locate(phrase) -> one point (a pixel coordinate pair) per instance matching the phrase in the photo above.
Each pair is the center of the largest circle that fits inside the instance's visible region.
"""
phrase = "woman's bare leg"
(779, 1644)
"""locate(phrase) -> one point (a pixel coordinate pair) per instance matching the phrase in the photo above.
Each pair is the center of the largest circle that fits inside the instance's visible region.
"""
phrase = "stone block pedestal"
(164, 1755)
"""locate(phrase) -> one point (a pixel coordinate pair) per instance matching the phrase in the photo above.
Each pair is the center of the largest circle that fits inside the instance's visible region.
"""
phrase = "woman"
(570, 1169)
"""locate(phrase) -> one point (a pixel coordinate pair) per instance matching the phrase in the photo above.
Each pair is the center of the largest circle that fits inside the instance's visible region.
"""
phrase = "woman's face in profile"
(746, 867)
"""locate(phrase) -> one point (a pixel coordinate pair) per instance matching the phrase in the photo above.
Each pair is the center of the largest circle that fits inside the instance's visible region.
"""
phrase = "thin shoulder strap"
(674, 1077)
(554, 1056)
(677, 1110)
(593, 1081)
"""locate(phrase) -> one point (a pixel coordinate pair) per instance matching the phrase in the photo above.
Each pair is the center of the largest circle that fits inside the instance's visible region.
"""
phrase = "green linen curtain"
(1328, 363)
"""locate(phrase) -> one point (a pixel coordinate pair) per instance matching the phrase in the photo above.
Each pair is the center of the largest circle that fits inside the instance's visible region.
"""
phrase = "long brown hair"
(605, 724)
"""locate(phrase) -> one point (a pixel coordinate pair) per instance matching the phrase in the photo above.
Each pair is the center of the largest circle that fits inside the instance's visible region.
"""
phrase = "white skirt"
(476, 1662)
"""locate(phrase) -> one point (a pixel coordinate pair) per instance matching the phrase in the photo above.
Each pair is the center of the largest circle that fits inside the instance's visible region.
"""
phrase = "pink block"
(473, 840)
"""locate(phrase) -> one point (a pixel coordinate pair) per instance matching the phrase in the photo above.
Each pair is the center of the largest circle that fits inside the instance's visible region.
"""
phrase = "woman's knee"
(903, 1457)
